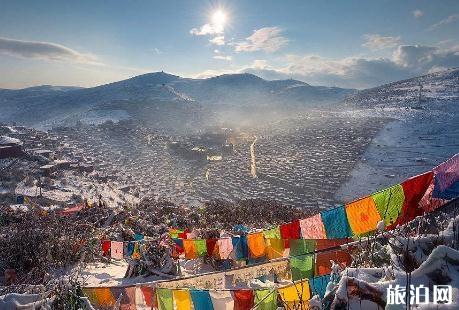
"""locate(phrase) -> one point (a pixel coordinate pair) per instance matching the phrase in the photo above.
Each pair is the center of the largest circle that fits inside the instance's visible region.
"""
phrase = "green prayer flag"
(302, 266)
(302, 246)
(389, 203)
(201, 247)
(165, 301)
(273, 233)
(265, 299)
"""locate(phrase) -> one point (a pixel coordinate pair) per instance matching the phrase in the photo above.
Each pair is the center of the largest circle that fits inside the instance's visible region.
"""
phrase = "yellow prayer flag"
(182, 299)
(363, 216)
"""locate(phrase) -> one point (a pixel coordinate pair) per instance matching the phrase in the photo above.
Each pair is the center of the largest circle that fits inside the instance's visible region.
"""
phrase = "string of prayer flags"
(256, 244)
(312, 228)
(389, 203)
(335, 222)
(363, 216)
(296, 296)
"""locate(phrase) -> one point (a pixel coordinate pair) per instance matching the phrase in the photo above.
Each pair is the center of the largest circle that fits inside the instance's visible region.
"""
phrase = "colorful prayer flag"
(201, 300)
(200, 247)
(165, 301)
(335, 223)
(241, 247)
(105, 244)
(116, 249)
(302, 246)
(318, 285)
(363, 216)
(323, 264)
(243, 299)
(266, 299)
(274, 248)
(182, 299)
(302, 266)
(222, 300)
(312, 228)
(389, 203)
(225, 247)
(273, 233)
(290, 231)
(256, 244)
(190, 249)
(296, 296)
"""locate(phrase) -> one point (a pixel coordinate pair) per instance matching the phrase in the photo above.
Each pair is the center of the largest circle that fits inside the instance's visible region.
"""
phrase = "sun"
(219, 18)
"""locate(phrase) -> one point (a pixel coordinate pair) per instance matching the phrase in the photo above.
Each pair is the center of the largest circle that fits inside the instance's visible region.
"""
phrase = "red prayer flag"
(243, 299)
(210, 244)
(414, 189)
(106, 245)
(323, 264)
(290, 231)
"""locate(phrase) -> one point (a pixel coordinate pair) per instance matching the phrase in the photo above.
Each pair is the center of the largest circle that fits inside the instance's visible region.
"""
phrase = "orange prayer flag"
(257, 246)
(363, 216)
(189, 248)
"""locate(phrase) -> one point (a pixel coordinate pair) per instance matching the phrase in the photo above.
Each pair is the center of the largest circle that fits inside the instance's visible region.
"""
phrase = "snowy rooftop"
(8, 140)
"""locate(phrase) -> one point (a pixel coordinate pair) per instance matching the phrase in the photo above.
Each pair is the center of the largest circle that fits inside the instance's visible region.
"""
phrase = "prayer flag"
(243, 299)
(319, 284)
(296, 296)
(290, 231)
(302, 266)
(105, 244)
(273, 233)
(323, 264)
(147, 300)
(363, 216)
(312, 228)
(212, 248)
(413, 189)
(201, 300)
(165, 301)
(182, 299)
(200, 247)
(389, 203)
(335, 223)
(190, 249)
(256, 243)
(266, 299)
(274, 248)
(222, 300)
(241, 247)
(225, 247)
(302, 246)
(446, 174)
(116, 249)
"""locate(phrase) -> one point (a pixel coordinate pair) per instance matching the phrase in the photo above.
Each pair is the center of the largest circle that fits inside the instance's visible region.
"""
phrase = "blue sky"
(345, 43)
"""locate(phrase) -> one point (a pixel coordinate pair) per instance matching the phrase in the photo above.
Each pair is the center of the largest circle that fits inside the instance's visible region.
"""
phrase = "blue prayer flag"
(336, 224)
(201, 300)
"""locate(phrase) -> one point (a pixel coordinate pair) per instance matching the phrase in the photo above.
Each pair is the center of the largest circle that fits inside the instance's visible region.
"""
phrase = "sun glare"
(219, 18)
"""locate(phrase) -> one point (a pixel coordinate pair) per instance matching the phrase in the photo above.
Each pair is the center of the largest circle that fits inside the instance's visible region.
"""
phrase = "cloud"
(418, 13)
(353, 72)
(219, 40)
(450, 19)
(376, 42)
(268, 39)
(43, 50)
(222, 57)
(207, 29)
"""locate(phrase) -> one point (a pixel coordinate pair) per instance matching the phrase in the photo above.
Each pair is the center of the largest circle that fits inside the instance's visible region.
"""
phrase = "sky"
(353, 44)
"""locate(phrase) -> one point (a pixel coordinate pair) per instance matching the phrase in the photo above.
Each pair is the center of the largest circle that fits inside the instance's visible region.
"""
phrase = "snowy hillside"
(438, 86)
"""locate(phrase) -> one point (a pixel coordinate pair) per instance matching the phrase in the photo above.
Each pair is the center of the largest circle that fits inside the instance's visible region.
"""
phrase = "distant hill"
(438, 86)
(36, 104)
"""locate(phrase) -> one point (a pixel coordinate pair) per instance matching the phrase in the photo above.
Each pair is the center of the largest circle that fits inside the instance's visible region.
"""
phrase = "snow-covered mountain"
(438, 86)
(39, 103)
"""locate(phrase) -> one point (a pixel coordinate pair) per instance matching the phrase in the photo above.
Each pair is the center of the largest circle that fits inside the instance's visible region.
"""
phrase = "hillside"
(44, 103)
(438, 86)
